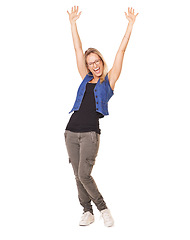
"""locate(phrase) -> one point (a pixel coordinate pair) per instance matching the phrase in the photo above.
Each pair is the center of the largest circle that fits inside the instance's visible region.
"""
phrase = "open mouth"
(97, 70)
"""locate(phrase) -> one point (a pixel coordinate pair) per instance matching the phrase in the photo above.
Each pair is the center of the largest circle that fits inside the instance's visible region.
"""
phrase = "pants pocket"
(95, 137)
(90, 163)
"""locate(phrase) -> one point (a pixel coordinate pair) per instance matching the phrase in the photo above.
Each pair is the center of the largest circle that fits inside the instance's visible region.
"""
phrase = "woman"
(82, 134)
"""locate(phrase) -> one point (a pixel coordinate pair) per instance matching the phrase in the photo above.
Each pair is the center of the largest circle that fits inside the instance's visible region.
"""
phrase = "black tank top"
(86, 119)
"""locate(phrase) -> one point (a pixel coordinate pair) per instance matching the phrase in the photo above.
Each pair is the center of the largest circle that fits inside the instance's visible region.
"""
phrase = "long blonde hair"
(94, 50)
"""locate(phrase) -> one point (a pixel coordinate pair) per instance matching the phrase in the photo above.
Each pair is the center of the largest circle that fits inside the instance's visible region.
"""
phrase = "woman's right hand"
(74, 15)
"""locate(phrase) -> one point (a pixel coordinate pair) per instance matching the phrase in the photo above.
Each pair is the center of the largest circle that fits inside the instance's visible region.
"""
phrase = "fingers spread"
(131, 11)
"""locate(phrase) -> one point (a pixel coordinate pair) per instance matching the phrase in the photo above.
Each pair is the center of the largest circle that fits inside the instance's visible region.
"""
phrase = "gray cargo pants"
(82, 150)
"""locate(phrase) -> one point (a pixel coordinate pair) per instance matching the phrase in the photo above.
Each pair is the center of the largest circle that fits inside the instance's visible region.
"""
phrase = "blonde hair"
(105, 70)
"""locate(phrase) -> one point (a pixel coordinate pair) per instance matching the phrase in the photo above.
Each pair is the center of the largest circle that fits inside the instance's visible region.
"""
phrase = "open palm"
(74, 15)
(131, 16)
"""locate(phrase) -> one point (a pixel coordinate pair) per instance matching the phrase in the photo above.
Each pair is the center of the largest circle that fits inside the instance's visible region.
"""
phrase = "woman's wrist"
(73, 23)
(131, 23)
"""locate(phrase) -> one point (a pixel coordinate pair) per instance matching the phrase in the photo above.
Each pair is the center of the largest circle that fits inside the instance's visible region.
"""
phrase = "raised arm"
(73, 16)
(115, 71)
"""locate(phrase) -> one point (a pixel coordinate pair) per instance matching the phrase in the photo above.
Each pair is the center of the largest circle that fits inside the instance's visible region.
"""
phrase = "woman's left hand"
(131, 17)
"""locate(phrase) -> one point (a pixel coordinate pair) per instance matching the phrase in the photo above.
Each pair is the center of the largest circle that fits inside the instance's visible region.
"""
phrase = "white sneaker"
(108, 220)
(86, 219)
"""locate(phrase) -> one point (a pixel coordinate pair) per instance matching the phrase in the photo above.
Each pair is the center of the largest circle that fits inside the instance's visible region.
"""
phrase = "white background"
(142, 168)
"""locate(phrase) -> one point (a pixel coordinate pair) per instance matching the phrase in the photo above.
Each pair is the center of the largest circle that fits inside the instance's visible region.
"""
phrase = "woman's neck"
(95, 79)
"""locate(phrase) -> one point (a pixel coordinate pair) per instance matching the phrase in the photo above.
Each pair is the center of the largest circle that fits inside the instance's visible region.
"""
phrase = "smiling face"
(95, 64)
